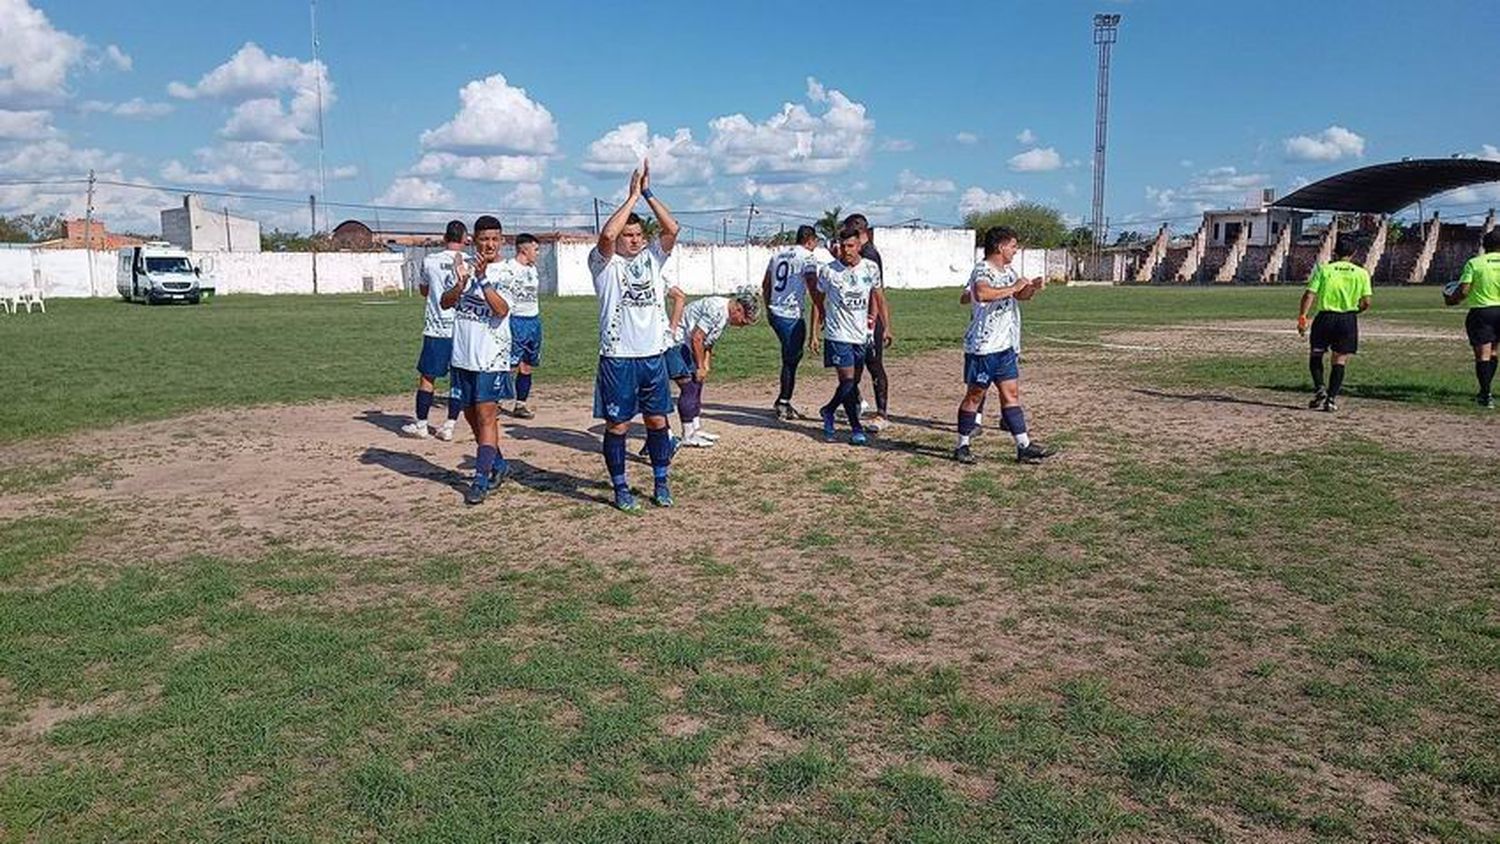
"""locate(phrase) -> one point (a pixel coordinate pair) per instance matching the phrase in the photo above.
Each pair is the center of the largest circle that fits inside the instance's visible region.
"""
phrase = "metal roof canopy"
(1387, 188)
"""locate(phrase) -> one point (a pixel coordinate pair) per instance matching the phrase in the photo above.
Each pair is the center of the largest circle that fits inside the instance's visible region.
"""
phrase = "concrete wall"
(914, 259)
(199, 229)
(65, 272)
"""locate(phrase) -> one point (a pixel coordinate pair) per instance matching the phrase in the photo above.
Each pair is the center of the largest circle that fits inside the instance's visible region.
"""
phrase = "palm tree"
(828, 224)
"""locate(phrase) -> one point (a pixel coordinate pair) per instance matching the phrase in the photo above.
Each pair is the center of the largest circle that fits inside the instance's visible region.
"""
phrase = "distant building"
(199, 229)
(90, 234)
(1261, 225)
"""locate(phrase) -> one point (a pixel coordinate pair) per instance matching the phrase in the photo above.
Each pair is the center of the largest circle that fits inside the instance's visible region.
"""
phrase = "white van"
(157, 272)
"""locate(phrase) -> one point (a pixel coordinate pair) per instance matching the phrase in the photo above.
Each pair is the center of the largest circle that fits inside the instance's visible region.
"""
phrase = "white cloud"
(1489, 152)
(256, 82)
(978, 200)
(1331, 144)
(897, 145)
(1026, 138)
(526, 196)
(53, 157)
(35, 56)
(1217, 187)
(678, 160)
(562, 188)
(808, 195)
(495, 119)
(243, 165)
(966, 138)
(910, 184)
(117, 57)
(413, 192)
(794, 142)
(482, 168)
(26, 125)
(136, 108)
(345, 171)
(1037, 160)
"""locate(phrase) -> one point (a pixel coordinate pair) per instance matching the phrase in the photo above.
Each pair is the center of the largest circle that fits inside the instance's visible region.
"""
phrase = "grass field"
(1212, 618)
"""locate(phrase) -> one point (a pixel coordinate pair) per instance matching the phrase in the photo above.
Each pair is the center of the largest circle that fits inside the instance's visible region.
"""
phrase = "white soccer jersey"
(994, 326)
(710, 315)
(524, 286)
(846, 300)
(437, 274)
(788, 285)
(481, 340)
(633, 320)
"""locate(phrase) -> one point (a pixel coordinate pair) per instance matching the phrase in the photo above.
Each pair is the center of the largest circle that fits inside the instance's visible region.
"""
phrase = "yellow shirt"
(1339, 286)
(1482, 274)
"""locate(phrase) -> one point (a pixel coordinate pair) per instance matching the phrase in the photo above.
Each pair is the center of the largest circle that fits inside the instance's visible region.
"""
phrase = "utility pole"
(228, 238)
(88, 233)
(596, 215)
(1106, 32)
(318, 82)
(312, 204)
(748, 218)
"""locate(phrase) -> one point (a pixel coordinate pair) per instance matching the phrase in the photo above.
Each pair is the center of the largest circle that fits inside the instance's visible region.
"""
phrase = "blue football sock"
(966, 424)
(659, 446)
(424, 404)
(1015, 419)
(484, 462)
(523, 386)
(614, 459)
(455, 407)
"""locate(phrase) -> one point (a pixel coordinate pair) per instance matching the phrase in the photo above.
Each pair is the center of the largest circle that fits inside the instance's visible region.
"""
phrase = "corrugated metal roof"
(1387, 188)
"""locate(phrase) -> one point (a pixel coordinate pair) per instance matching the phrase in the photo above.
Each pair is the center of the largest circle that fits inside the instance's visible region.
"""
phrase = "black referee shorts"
(1336, 330)
(1483, 325)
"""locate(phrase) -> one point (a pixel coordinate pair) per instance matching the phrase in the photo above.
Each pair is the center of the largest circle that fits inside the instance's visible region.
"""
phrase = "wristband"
(647, 194)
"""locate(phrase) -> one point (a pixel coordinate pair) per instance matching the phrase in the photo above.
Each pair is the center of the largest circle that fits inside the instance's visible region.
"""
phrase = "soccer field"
(234, 605)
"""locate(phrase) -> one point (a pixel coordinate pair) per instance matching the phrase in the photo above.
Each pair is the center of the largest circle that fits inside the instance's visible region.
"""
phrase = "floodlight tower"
(1106, 31)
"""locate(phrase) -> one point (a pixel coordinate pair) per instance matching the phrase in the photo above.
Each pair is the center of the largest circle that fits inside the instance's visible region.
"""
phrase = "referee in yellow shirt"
(1479, 288)
(1342, 290)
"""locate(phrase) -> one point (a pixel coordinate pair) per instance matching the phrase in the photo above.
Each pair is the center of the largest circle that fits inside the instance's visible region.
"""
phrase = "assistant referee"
(1342, 290)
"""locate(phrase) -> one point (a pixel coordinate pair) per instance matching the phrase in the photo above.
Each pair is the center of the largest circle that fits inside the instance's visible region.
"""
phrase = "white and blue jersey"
(994, 326)
(481, 340)
(437, 274)
(846, 300)
(709, 315)
(633, 320)
(788, 270)
(524, 285)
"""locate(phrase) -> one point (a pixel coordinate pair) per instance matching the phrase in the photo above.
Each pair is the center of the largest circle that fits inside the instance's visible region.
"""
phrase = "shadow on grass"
(1218, 398)
(384, 421)
(413, 466)
(752, 417)
(1408, 393)
(559, 483)
(583, 441)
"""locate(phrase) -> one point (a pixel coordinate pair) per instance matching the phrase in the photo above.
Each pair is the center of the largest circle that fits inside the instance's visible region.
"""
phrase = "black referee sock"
(1484, 370)
(1315, 366)
(1335, 380)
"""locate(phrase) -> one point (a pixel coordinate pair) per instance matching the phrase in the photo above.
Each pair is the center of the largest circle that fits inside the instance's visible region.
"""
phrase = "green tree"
(277, 240)
(828, 224)
(1129, 236)
(1037, 226)
(31, 228)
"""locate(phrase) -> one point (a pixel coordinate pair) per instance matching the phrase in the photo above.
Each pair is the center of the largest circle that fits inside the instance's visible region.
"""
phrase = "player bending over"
(437, 333)
(634, 333)
(844, 308)
(525, 320)
(1479, 288)
(1342, 291)
(481, 352)
(995, 291)
(688, 363)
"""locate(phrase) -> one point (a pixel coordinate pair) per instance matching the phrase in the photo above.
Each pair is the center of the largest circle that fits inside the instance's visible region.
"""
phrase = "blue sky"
(901, 113)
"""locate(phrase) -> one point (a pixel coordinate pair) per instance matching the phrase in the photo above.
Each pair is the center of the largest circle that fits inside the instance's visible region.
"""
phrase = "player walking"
(844, 308)
(1479, 288)
(784, 290)
(525, 320)
(437, 333)
(1341, 290)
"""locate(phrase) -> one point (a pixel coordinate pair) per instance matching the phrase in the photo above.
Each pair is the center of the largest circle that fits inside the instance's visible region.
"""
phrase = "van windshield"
(168, 265)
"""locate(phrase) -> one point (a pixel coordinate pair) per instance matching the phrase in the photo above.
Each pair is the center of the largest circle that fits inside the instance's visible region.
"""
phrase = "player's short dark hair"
(996, 237)
(806, 233)
(487, 223)
(455, 232)
(849, 233)
(1492, 240)
(524, 238)
(858, 221)
(635, 220)
(1343, 247)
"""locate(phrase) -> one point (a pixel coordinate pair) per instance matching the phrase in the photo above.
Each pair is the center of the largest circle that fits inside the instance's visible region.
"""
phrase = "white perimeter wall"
(913, 258)
(65, 272)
